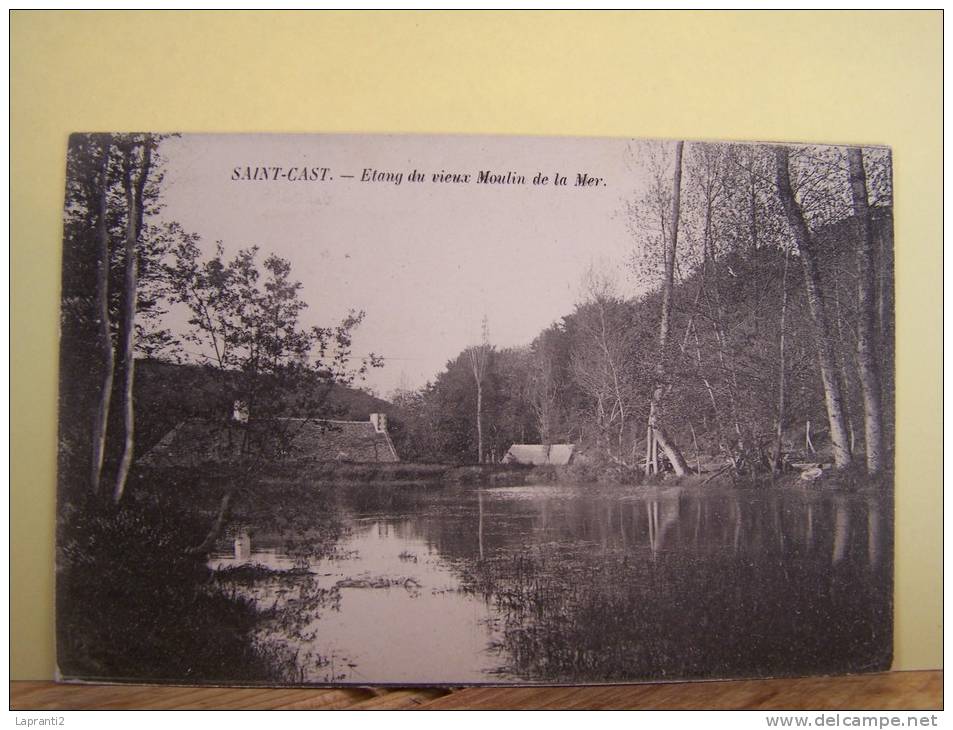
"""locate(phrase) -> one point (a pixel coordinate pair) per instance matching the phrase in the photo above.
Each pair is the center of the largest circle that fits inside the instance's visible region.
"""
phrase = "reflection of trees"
(305, 523)
(650, 585)
(679, 585)
(289, 605)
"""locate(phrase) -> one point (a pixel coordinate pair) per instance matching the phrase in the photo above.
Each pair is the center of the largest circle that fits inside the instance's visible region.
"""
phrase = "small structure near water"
(540, 454)
(198, 441)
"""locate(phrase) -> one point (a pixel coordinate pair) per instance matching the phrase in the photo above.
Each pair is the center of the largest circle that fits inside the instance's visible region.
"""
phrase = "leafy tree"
(454, 408)
(510, 401)
(245, 324)
(437, 420)
(549, 381)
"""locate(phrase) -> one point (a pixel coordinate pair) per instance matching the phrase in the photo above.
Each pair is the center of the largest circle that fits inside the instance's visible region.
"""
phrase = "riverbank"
(409, 474)
(135, 604)
(378, 474)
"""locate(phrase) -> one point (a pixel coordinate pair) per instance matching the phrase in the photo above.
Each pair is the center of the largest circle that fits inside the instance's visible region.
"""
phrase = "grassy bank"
(202, 486)
(403, 474)
(197, 481)
(194, 479)
(135, 602)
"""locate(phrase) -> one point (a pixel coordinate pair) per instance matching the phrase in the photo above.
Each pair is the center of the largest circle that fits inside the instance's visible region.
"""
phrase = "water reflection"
(383, 608)
(565, 584)
(242, 546)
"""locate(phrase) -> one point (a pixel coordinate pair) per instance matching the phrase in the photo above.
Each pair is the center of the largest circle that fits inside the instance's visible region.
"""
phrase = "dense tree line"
(765, 334)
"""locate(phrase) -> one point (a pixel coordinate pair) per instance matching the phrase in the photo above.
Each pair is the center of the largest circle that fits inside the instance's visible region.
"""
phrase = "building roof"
(540, 454)
(198, 441)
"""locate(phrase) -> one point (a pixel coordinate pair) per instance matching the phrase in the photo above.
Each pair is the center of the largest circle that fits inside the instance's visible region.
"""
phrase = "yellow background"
(859, 77)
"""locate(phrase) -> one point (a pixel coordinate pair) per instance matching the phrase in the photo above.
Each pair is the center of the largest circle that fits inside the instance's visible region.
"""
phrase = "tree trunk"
(479, 422)
(134, 193)
(216, 529)
(660, 437)
(718, 320)
(868, 370)
(722, 443)
(843, 373)
(478, 357)
(649, 447)
(698, 458)
(825, 348)
(100, 424)
(753, 204)
(778, 446)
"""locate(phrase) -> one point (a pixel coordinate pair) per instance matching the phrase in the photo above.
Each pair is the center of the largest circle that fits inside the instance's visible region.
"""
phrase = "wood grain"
(890, 691)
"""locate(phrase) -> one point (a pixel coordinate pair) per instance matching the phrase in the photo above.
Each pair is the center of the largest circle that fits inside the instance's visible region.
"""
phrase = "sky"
(425, 261)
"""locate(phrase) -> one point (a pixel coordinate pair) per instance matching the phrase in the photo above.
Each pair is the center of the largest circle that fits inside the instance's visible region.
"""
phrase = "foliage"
(245, 323)
(588, 379)
(95, 244)
(142, 605)
(151, 615)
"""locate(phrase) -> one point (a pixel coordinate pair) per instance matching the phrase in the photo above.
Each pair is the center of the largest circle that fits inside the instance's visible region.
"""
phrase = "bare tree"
(713, 183)
(544, 385)
(478, 357)
(601, 361)
(804, 240)
(101, 421)
(866, 315)
(776, 461)
(137, 161)
(656, 434)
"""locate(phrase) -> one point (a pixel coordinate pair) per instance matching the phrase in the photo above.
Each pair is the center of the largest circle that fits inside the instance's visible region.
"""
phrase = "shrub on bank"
(133, 603)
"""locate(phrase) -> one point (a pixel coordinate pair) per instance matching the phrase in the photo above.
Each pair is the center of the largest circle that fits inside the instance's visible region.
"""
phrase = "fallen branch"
(723, 469)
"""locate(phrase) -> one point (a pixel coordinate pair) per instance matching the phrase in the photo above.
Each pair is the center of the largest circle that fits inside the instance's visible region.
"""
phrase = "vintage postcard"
(370, 409)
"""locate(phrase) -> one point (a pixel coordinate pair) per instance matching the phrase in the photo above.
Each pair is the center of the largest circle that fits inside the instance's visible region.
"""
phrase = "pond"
(572, 584)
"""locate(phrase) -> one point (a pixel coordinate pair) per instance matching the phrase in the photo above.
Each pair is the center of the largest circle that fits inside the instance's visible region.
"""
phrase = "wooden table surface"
(890, 691)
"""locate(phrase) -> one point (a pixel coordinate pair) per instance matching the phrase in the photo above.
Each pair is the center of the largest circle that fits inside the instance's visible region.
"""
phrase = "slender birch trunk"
(479, 421)
(752, 202)
(478, 357)
(725, 358)
(843, 373)
(698, 458)
(658, 432)
(134, 187)
(868, 370)
(778, 445)
(825, 349)
(101, 421)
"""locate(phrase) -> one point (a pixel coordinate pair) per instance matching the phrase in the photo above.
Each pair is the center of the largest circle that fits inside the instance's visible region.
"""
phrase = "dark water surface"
(573, 584)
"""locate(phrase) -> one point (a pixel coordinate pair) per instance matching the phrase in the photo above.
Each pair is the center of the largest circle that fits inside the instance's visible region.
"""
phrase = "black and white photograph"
(456, 410)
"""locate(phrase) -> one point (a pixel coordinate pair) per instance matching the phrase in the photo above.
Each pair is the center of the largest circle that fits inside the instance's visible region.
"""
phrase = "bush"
(133, 603)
